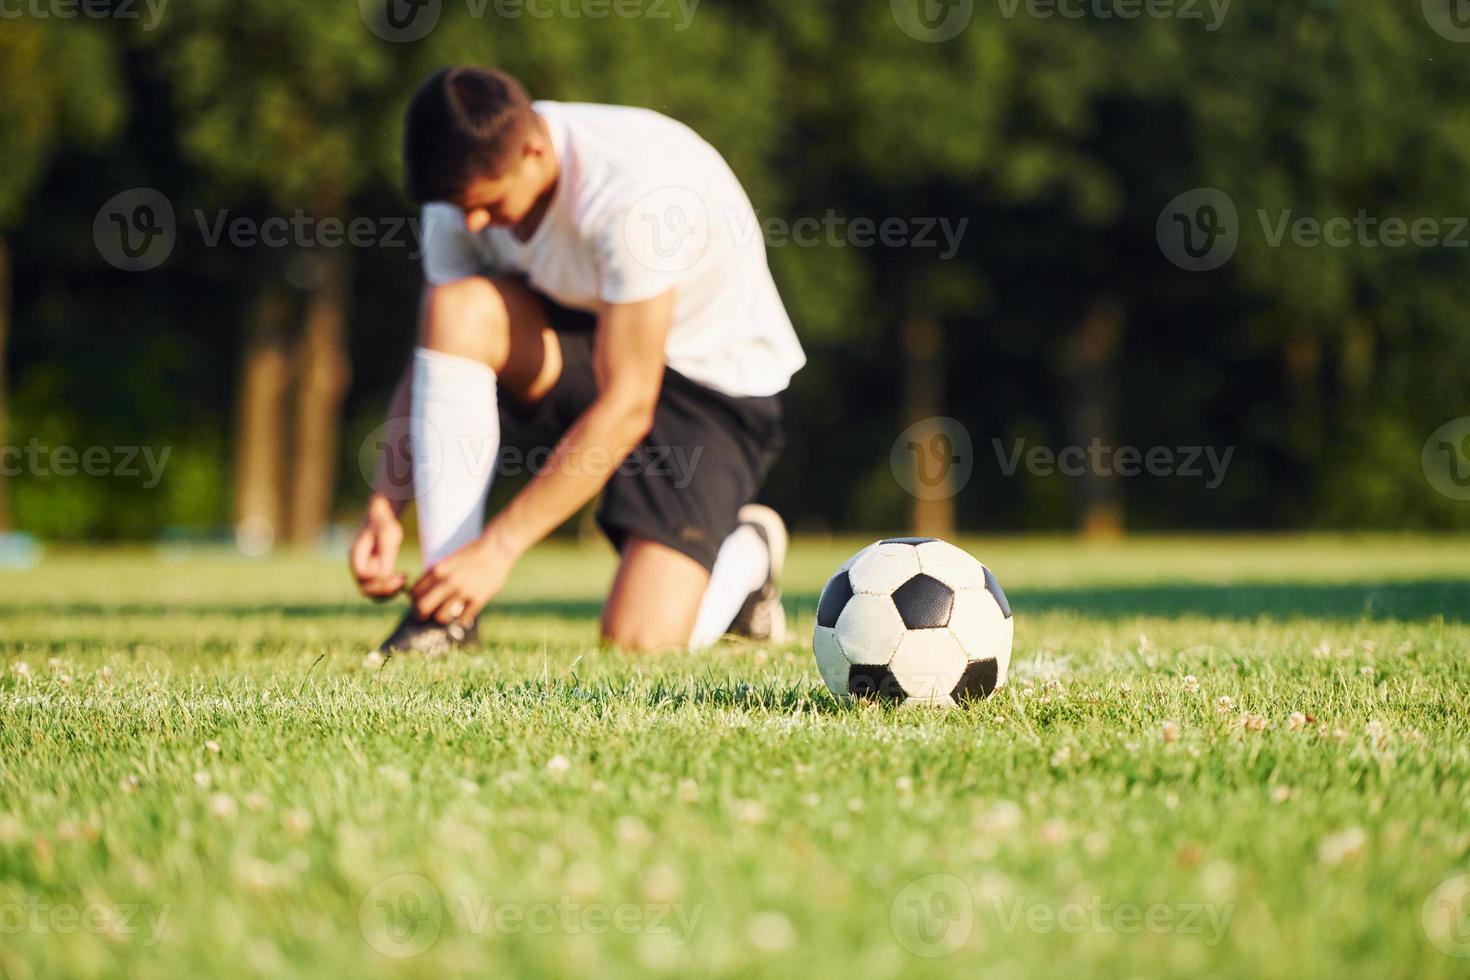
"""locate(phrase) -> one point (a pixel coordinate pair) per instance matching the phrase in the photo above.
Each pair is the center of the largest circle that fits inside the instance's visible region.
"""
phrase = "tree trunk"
(323, 375)
(4, 337)
(1092, 370)
(933, 514)
(260, 441)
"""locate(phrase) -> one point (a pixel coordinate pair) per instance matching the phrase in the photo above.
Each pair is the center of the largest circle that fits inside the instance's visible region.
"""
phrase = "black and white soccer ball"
(916, 621)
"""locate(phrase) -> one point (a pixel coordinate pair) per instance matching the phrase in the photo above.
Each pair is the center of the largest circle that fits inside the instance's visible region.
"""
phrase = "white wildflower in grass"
(1366, 671)
(10, 828)
(54, 663)
(632, 832)
(21, 669)
(597, 787)
(770, 932)
(129, 784)
(223, 806)
(1323, 651)
(1253, 723)
(212, 746)
(1280, 794)
(256, 802)
(904, 785)
(688, 791)
(812, 799)
(662, 884)
(1225, 704)
(297, 823)
(1296, 721)
(373, 661)
(1170, 731)
(558, 765)
(468, 787)
(855, 805)
(749, 812)
(64, 680)
(1342, 848)
(1340, 734)
(202, 780)
(1144, 644)
(1061, 757)
(1191, 683)
(1053, 833)
(1002, 818)
(1125, 691)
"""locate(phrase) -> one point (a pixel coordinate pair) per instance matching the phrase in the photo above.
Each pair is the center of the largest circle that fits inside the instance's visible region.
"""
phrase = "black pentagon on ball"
(993, 587)
(913, 541)
(924, 602)
(977, 682)
(834, 599)
(867, 682)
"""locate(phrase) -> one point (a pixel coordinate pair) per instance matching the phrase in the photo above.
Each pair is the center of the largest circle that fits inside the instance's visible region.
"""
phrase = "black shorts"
(706, 456)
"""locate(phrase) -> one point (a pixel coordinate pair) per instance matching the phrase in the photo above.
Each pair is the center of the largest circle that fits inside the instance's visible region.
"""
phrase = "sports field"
(1222, 757)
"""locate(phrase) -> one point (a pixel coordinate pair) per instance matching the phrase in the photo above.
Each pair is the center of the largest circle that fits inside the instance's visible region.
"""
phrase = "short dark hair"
(463, 123)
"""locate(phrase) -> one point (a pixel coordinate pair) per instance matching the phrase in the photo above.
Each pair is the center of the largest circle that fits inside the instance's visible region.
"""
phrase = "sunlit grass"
(1216, 757)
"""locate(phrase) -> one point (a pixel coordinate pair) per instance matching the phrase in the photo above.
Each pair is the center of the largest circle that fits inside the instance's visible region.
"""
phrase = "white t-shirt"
(644, 205)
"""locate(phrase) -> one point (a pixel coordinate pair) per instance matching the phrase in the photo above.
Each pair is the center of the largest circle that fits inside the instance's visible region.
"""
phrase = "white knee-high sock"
(455, 428)
(740, 568)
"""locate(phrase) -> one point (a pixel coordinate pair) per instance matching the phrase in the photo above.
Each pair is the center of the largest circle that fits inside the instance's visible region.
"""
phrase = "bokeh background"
(1129, 179)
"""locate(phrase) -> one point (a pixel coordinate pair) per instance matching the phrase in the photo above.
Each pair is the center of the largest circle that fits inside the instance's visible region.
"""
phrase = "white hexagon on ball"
(869, 629)
(928, 664)
(884, 567)
(832, 663)
(953, 566)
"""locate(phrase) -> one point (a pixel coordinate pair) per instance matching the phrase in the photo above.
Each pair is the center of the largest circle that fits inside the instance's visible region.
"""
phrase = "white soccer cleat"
(762, 617)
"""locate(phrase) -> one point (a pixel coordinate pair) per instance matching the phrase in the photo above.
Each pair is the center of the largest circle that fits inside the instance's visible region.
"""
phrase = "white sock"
(741, 567)
(456, 436)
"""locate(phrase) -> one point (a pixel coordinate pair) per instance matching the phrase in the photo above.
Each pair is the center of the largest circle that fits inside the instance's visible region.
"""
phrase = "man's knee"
(641, 635)
(469, 318)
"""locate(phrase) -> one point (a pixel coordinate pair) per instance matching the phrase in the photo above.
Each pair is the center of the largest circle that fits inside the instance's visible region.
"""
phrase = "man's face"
(504, 200)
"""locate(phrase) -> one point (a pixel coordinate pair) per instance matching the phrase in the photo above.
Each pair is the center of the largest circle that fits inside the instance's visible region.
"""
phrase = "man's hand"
(375, 552)
(463, 584)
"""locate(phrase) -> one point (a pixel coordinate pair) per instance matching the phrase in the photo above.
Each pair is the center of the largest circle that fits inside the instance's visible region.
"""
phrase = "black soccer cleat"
(428, 638)
(762, 618)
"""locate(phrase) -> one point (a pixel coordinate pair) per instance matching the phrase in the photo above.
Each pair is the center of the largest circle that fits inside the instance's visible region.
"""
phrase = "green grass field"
(200, 777)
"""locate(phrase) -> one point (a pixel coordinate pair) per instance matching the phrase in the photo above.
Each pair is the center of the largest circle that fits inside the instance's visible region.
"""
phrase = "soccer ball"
(913, 620)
